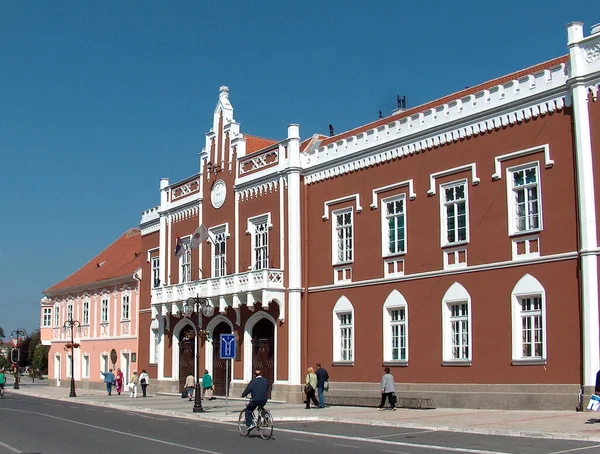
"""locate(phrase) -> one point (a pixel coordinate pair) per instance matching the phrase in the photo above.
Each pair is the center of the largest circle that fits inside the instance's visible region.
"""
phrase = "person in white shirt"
(144, 381)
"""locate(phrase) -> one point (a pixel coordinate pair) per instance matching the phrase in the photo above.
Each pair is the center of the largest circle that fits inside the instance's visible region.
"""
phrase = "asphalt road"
(33, 425)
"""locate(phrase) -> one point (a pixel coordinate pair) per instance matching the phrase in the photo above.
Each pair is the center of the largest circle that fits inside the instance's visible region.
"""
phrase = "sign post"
(227, 352)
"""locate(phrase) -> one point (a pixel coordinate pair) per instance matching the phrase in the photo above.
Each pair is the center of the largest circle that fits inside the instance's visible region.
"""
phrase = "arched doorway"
(220, 365)
(263, 350)
(187, 336)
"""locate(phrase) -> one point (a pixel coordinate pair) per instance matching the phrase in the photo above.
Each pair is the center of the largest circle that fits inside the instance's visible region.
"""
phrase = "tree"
(1, 333)
(40, 358)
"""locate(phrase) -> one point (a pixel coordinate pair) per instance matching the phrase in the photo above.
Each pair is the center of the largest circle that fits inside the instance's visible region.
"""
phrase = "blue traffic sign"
(227, 346)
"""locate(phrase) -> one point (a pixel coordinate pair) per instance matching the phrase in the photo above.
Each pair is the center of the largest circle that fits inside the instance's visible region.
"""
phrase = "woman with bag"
(119, 381)
(144, 381)
(207, 385)
(310, 387)
(133, 385)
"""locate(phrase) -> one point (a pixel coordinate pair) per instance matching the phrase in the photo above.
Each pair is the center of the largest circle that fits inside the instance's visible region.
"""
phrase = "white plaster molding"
(185, 213)
(443, 173)
(593, 90)
(328, 203)
(259, 161)
(390, 187)
(258, 190)
(517, 154)
(151, 229)
(345, 148)
(186, 189)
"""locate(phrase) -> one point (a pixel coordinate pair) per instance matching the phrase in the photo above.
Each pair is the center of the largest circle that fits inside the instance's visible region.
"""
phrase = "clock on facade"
(218, 194)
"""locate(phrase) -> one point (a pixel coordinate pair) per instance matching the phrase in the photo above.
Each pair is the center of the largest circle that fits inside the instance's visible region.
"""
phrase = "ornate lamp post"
(198, 305)
(16, 333)
(70, 325)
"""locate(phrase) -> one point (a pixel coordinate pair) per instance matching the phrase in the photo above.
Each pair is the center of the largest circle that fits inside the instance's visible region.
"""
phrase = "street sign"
(15, 341)
(227, 346)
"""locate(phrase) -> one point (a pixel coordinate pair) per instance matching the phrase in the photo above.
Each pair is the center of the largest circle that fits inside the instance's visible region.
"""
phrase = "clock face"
(218, 194)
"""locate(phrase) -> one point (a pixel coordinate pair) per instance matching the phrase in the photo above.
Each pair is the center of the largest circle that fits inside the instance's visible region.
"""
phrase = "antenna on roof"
(331, 134)
(380, 114)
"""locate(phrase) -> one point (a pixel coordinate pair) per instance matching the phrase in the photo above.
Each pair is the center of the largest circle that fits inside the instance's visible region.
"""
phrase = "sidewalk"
(537, 424)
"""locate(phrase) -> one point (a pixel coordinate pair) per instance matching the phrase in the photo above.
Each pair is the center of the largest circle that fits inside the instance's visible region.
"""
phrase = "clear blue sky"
(99, 100)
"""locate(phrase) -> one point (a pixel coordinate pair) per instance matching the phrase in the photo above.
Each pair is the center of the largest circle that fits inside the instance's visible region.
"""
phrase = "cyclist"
(258, 388)
(2, 380)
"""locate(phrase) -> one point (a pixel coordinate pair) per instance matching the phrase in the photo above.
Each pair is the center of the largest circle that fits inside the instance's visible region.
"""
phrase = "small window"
(104, 309)
(524, 199)
(259, 227)
(104, 363)
(529, 322)
(47, 319)
(457, 327)
(394, 226)
(155, 272)
(343, 331)
(56, 316)
(70, 311)
(86, 313)
(454, 213)
(343, 237)
(125, 307)
(86, 366)
(186, 262)
(69, 369)
(219, 250)
(395, 328)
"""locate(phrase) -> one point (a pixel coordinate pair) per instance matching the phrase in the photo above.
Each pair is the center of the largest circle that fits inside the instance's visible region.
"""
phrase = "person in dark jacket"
(258, 388)
(597, 390)
(322, 377)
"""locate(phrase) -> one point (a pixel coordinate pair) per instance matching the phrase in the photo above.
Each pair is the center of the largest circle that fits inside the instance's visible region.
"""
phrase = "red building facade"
(454, 242)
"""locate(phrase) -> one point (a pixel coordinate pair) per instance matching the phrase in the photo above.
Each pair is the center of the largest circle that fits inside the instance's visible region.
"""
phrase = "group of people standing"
(318, 382)
(117, 381)
(207, 386)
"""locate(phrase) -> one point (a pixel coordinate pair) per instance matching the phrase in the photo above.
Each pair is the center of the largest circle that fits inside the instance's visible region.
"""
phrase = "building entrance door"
(186, 354)
(263, 350)
(57, 369)
(220, 365)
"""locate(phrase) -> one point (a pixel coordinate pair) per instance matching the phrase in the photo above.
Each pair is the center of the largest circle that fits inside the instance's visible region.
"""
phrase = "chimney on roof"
(401, 104)
(595, 29)
(331, 134)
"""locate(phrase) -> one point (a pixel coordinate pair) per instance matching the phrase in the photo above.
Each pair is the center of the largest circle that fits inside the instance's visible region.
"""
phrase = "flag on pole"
(200, 235)
(178, 247)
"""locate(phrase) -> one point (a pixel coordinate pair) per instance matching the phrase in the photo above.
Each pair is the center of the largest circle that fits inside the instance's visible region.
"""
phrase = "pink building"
(101, 297)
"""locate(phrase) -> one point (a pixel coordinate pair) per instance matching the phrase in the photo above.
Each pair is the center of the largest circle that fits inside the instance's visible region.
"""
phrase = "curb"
(232, 417)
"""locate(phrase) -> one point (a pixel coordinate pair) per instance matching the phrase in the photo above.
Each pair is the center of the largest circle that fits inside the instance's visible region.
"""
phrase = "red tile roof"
(460, 94)
(254, 143)
(121, 258)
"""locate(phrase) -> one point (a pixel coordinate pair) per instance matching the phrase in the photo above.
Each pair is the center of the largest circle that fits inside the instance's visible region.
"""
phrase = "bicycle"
(262, 421)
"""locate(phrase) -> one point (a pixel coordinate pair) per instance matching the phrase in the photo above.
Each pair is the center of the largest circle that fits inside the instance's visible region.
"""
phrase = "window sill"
(395, 363)
(104, 323)
(393, 256)
(336, 264)
(524, 233)
(457, 244)
(343, 363)
(529, 362)
(125, 320)
(457, 363)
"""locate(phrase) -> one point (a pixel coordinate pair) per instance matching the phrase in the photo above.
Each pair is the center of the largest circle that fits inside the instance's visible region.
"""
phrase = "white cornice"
(146, 230)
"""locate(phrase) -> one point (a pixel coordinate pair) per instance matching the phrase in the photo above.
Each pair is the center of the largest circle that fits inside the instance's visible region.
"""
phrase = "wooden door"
(263, 350)
(220, 365)
(186, 355)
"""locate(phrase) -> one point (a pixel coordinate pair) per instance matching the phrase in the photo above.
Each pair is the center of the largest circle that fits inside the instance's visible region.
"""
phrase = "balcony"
(233, 290)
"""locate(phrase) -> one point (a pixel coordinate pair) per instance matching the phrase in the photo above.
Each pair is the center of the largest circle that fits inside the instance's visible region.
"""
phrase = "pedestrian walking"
(133, 384)
(190, 382)
(109, 379)
(388, 390)
(207, 385)
(310, 387)
(119, 381)
(144, 381)
(597, 388)
(322, 384)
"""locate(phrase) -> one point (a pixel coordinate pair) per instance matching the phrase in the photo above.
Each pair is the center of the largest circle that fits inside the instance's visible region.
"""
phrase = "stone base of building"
(491, 396)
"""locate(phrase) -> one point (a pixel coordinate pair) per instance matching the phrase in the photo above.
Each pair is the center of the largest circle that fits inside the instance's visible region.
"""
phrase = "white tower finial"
(224, 92)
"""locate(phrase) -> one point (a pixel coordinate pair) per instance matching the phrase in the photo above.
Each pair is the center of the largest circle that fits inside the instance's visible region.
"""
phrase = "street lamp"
(197, 305)
(16, 333)
(70, 325)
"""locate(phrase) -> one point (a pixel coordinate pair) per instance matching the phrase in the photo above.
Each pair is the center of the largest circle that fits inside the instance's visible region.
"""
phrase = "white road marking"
(347, 446)
(576, 449)
(395, 452)
(405, 433)
(155, 440)
(302, 439)
(10, 448)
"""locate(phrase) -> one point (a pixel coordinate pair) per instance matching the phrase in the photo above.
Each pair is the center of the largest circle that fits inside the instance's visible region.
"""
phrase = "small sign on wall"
(133, 357)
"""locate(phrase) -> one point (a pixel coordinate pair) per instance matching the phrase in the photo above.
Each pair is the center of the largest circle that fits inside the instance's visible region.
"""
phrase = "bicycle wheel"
(242, 424)
(265, 426)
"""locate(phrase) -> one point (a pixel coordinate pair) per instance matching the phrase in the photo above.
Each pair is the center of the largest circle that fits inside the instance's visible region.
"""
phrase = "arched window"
(343, 331)
(457, 348)
(528, 314)
(395, 328)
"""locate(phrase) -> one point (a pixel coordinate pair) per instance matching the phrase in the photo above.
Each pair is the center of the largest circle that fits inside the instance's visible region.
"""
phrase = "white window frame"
(85, 366)
(527, 287)
(385, 231)
(104, 309)
(154, 342)
(85, 313)
(69, 372)
(57, 316)
(70, 311)
(185, 261)
(219, 261)
(443, 216)
(125, 306)
(155, 271)
(47, 317)
(394, 301)
(511, 202)
(341, 308)
(104, 364)
(335, 260)
(253, 223)
(456, 294)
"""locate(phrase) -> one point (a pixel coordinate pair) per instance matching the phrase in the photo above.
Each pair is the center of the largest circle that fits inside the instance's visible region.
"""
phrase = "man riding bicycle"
(258, 388)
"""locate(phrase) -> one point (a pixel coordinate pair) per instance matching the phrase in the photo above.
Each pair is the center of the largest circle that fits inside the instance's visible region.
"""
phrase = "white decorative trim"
(403, 128)
(259, 190)
(593, 90)
(186, 213)
(531, 247)
(259, 161)
(185, 189)
(259, 219)
(328, 203)
(517, 154)
(390, 187)
(443, 173)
